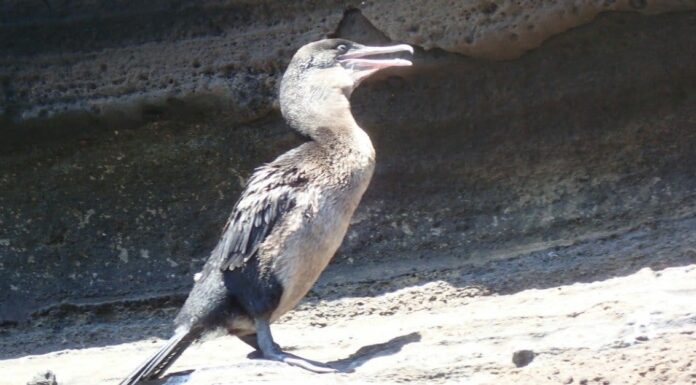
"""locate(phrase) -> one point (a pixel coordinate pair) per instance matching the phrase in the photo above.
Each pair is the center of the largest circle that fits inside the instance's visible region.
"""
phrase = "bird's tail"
(163, 359)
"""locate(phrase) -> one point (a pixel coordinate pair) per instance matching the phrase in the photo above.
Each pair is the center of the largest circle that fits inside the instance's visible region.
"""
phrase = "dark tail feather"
(163, 359)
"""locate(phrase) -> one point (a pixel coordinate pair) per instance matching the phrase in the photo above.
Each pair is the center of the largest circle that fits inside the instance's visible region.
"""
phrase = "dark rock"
(45, 378)
(522, 357)
(638, 4)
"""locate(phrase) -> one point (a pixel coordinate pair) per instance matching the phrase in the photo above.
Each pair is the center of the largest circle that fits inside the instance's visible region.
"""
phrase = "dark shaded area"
(573, 163)
(115, 199)
(82, 326)
(366, 353)
(36, 26)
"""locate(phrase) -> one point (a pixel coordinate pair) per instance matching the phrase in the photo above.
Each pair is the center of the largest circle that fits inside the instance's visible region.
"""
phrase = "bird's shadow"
(366, 353)
(343, 365)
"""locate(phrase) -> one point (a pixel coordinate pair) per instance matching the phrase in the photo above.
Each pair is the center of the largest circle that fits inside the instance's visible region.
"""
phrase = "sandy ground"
(636, 329)
(617, 307)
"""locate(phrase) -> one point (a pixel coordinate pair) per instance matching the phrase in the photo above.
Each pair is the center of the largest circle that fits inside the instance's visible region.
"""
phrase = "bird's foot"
(258, 354)
(271, 351)
(255, 355)
(293, 360)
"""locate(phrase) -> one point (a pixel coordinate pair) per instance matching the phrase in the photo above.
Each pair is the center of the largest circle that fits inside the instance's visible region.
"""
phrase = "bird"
(293, 213)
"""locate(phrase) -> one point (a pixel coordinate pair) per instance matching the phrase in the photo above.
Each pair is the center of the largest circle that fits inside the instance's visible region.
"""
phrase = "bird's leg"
(271, 351)
(250, 339)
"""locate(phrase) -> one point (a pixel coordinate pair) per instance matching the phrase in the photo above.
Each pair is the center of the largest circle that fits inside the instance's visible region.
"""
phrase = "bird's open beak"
(361, 61)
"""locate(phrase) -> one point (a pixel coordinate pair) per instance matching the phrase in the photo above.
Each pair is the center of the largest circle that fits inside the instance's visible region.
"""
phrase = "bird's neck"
(337, 128)
(328, 121)
(343, 138)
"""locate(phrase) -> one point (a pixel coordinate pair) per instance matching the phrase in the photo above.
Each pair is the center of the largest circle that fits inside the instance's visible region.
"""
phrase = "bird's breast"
(316, 232)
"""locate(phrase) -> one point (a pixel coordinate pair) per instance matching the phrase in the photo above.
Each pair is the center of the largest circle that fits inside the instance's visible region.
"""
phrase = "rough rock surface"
(593, 132)
(637, 329)
(122, 60)
(496, 29)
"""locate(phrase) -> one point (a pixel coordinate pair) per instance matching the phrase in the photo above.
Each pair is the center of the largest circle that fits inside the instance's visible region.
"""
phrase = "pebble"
(44, 378)
(522, 357)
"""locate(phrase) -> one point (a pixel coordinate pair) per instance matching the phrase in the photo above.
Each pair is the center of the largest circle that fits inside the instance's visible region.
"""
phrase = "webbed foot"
(271, 351)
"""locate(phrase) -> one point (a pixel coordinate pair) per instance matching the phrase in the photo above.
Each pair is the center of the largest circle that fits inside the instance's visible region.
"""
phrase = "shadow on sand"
(343, 365)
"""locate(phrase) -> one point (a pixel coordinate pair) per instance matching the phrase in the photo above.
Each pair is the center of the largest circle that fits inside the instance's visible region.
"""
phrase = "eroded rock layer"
(117, 60)
(129, 129)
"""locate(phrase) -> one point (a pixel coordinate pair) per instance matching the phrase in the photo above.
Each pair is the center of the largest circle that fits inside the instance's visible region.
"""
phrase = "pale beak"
(359, 63)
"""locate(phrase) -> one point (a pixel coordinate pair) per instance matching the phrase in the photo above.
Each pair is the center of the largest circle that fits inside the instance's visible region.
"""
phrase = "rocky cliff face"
(122, 60)
(128, 129)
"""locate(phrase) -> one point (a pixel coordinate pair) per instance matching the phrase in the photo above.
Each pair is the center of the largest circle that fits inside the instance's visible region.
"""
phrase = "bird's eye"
(342, 48)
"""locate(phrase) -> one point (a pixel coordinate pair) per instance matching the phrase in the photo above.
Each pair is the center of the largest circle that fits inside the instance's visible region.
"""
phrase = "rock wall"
(128, 130)
(121, 60)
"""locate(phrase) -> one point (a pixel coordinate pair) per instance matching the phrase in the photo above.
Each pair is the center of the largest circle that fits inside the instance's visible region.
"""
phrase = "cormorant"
(294, 212)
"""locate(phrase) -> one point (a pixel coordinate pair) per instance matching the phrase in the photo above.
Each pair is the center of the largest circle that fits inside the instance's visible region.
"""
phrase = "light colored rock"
(584, 331)
(229, 55)
(496, 29)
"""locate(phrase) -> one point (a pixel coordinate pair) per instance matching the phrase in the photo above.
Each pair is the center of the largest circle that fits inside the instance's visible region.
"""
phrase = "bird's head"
(321, 76)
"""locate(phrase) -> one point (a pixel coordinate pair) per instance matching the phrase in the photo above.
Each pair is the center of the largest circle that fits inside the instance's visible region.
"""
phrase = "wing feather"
(269, 195)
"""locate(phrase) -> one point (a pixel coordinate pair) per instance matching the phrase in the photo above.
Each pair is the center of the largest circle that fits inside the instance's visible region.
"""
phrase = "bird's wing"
(271, 192)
